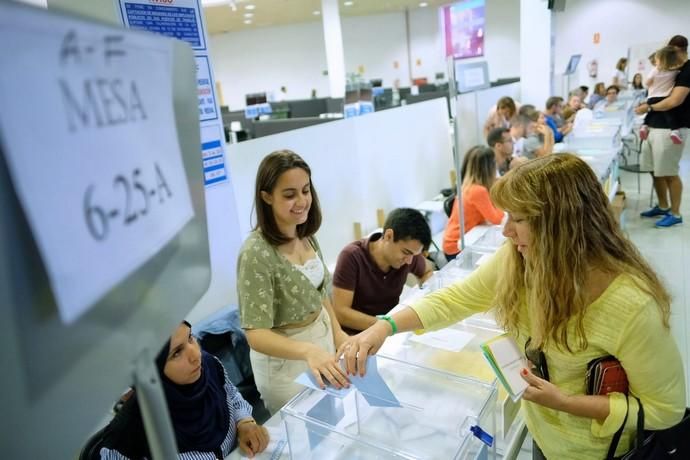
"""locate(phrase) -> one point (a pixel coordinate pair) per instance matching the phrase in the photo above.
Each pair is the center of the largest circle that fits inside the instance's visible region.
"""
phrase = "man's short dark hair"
(408, 224)
(526, 109)
(679, 41)
(496, 136)
(553, 100)
(613, 87)
(584, 88)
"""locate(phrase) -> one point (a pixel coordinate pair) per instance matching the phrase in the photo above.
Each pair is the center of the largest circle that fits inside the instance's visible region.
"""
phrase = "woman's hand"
(357, 348)
(543, 392)
(321, 363)
(340, 338)
(252, 438)
(642, 108)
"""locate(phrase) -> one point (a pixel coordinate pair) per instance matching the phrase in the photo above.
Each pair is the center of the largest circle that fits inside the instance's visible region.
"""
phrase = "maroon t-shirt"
(375, 292)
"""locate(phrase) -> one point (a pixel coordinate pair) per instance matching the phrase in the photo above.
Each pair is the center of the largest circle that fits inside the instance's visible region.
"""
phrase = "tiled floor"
(668, 250)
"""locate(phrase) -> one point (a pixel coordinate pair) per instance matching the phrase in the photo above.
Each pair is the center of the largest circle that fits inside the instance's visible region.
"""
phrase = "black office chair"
(92, 448)
(448, 204)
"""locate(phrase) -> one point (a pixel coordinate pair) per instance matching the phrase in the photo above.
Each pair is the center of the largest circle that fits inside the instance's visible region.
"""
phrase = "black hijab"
(199, 412)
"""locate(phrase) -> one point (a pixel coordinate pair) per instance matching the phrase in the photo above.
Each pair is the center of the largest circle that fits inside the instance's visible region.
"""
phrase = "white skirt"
(275, 377)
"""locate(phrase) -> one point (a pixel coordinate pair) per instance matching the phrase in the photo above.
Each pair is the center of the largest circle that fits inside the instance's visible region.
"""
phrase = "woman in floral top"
(283, 285)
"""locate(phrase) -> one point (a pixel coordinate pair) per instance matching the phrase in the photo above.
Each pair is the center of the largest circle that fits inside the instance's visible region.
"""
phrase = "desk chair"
(92, 448)
(633, 145)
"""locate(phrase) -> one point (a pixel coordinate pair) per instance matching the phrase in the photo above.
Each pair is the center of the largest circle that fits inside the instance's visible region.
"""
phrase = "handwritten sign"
(91, 144)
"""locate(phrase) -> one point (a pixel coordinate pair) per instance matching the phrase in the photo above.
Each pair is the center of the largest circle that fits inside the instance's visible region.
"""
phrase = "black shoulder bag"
(671, 443)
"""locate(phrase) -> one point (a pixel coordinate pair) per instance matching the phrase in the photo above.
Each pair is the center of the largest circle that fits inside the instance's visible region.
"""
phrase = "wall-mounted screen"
(472, 76)
(463, 28)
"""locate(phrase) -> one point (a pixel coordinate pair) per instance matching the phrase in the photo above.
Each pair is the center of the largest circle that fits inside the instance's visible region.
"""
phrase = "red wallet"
(605, 375)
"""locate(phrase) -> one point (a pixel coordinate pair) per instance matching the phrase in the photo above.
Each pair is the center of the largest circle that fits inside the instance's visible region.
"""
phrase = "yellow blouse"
(624, 322)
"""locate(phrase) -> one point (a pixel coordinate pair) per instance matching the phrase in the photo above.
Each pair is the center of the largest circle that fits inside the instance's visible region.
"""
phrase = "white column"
(333, 39)
(536, 57)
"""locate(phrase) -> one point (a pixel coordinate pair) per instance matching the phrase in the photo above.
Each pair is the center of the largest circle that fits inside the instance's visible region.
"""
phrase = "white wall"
(388, 159)
(376, 42)
(294, 56)
(535, 46)
(256, 60)
(621, 23)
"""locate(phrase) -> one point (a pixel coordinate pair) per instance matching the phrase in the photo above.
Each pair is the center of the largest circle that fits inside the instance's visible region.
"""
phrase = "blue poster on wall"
(183, 20)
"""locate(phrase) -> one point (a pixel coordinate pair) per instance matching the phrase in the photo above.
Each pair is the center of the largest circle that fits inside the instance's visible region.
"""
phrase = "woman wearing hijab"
(208, 414)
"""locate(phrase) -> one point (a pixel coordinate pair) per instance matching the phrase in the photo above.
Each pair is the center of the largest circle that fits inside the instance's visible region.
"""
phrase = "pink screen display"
(463, 27)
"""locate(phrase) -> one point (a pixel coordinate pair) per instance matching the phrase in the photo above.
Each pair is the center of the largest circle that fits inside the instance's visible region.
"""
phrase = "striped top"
(239, 409)
(623, 322)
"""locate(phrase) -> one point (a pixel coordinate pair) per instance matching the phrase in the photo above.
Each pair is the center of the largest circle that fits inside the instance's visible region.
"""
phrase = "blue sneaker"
(669, 221)
(656, 211)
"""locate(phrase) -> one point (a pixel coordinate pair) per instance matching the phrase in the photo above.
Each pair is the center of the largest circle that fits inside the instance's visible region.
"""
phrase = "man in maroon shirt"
(371, 272)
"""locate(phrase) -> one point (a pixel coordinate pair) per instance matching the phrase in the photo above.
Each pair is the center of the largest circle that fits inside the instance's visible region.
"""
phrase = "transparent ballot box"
(594, 136)
(432, 421)
(485, 238)
(454, 350)
(600, 160)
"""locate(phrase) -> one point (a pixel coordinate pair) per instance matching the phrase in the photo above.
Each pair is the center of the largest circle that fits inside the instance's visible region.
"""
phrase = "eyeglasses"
(538, 360)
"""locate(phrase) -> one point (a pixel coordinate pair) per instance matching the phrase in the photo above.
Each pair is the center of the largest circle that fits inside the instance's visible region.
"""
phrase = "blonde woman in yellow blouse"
(570, 283)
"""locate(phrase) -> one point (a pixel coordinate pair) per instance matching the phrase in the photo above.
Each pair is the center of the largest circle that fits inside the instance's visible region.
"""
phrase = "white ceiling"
(230, 15)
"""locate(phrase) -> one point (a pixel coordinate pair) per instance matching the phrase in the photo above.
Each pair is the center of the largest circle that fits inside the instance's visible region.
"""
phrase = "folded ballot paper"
(507, 362)
(372, 386)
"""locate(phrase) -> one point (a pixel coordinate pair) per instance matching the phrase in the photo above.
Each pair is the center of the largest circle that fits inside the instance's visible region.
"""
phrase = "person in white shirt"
(660, 82)
(620, 79)
(518, 131)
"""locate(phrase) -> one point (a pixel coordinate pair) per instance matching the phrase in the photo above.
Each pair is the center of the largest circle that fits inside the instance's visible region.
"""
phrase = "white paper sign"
(474, 76)
(89, 135)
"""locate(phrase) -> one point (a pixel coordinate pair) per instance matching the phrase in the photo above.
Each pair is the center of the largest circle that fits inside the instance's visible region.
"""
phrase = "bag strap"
(640, 424)
(617, 435)
(639, 439)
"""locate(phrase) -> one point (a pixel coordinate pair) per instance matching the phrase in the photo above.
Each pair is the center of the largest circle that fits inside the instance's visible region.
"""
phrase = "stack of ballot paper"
(507, 362)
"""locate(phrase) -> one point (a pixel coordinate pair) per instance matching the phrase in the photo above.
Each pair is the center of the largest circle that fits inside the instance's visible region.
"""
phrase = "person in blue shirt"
(552, 114)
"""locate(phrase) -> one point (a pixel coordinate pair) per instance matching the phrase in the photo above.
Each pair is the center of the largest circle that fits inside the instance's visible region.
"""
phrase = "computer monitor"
(427, 88)
(352, 94)
(572, 64)
(404, 92)
(255, 99)
(61, 379)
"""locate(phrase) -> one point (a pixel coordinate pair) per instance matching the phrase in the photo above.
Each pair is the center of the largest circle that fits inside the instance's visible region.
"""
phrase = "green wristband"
(390, 321)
